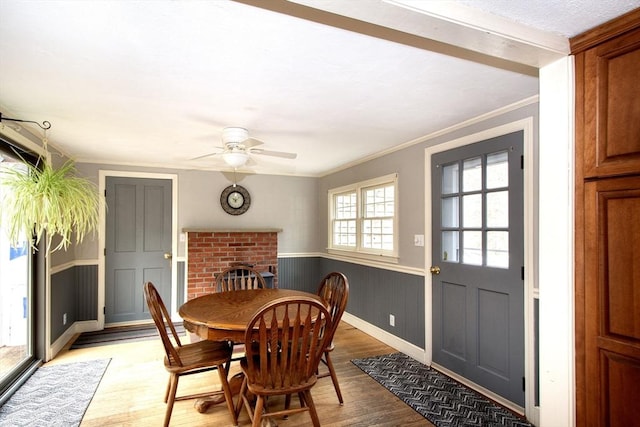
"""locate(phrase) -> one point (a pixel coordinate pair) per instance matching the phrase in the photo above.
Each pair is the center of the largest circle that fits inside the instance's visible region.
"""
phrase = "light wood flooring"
(132, 390)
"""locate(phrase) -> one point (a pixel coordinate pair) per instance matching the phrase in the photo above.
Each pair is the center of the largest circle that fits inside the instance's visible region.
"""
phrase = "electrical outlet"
(392, 320)
(64, 319)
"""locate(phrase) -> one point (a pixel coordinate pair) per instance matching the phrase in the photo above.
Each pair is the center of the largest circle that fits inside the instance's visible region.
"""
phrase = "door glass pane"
(450, 179)
(472, 247)
(450, 212)
(472, 211)
(450, 246)
(498, 249)
(472, 175)
(498, 170)
(15, 279)
(498, 209)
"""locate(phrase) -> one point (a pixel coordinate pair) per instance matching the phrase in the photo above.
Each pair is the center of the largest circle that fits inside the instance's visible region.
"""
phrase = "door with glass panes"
(478, 255)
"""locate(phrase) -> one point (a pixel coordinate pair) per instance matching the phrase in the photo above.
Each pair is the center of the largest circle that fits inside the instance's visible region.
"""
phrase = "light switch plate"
(418, 240)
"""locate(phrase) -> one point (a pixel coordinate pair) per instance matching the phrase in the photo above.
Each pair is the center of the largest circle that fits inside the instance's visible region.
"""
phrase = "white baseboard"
(389, 339)
(76, 328)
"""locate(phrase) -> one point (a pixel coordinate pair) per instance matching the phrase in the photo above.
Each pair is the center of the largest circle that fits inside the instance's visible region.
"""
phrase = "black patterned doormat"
(440, 399)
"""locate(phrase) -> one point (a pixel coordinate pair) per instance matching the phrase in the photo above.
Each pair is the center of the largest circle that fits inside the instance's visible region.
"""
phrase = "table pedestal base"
(202, 405)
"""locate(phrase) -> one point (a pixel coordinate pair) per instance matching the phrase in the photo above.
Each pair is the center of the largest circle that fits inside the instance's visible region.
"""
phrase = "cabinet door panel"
(612, 97)
(612, 300)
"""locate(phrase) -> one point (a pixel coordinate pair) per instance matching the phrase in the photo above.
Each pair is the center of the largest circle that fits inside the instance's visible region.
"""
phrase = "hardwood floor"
(132, 390)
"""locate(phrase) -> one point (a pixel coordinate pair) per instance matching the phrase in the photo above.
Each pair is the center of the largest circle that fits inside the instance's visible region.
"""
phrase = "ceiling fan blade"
(281, 154)
(251, 142)
(204, 155)
(215, 153)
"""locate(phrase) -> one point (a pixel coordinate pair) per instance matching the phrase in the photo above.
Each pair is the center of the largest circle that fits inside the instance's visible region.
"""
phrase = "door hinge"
(104, 251)
(523, 389)
(104, 310)
(522, 272)
(105, 192)
(521, 162)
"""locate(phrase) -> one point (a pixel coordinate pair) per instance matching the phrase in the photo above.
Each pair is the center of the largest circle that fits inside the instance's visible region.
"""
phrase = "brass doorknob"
(167, 255)
(435, 270)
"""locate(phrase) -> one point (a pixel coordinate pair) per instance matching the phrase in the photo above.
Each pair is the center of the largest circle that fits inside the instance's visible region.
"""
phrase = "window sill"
(391, 259)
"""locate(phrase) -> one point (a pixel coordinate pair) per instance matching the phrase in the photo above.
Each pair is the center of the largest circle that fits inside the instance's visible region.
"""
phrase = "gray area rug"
(440, 399)
(54, 396)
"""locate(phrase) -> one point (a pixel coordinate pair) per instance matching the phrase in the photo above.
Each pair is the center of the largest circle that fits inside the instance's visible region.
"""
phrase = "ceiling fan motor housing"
(234, 135)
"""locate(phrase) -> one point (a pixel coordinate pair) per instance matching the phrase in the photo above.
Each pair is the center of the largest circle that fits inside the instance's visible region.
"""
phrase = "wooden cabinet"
(607, 274)
(611, 87)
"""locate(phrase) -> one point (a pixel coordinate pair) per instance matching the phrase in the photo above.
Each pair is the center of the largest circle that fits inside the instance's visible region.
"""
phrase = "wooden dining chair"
(236, 278)
(284, 342)
(239, 277)
(334, 290)
(186, 359)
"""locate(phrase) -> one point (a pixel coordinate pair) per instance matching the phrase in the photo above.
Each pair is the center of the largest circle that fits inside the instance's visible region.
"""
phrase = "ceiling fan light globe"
(235, 159)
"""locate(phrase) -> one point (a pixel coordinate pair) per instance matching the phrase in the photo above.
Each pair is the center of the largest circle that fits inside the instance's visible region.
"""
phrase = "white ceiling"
(153, 83)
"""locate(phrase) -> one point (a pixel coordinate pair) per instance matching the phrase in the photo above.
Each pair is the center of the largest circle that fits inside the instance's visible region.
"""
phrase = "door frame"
(102, 180)
(530, 293)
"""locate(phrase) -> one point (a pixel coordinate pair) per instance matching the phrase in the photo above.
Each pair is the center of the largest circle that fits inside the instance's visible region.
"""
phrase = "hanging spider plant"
(44, 201)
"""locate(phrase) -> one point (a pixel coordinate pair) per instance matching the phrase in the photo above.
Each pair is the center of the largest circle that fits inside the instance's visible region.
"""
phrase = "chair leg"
(257, 413)
(173, 382)
(312, 408)
(334, 377)
(166, 393)
(241, 399)
(287, 401)
(228, 397)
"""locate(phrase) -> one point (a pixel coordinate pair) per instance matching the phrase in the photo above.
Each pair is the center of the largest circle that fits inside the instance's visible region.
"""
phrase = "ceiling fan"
(238, 147)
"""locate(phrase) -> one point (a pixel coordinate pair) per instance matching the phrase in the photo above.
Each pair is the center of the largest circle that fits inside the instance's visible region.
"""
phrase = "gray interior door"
(478, 294)
(138, 235)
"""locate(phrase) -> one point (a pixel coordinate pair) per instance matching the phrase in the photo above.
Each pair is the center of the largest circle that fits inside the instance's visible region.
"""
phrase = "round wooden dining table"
(223, 316)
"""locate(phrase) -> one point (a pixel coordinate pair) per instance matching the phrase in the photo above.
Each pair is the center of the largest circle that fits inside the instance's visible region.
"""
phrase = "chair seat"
(276, 389)
(201, 354)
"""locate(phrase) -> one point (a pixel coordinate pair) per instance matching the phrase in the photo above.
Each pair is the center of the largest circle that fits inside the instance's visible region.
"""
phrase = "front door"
(138, 245)
(477, 265)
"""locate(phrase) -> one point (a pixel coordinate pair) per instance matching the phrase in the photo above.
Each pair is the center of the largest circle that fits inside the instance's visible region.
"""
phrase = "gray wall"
(289, 203)
(409, 163)
(299, 206)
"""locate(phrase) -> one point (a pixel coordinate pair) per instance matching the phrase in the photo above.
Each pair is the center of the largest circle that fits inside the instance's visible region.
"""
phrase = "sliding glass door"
(16, 295)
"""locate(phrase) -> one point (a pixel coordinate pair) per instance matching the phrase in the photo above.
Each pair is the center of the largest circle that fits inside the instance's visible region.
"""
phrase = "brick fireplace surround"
(211, 251)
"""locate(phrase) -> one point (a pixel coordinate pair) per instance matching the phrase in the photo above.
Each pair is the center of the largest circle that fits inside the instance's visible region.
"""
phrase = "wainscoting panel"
(374, 293)
(87, 285)
(74, 297)
(299, 273)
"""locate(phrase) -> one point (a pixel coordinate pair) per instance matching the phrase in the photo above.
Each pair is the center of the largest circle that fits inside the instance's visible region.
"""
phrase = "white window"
(363, 217)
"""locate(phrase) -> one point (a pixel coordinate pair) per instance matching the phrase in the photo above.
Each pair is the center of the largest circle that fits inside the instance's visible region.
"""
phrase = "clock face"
(235, 200)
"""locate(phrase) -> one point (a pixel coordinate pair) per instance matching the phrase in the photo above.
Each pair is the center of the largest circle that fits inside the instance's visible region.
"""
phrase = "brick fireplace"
(211, 251)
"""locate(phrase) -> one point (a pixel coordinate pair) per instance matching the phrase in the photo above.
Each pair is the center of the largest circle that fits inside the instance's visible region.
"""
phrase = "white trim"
(386, 337)
(486, 23)
(358, 188)
(76, 328)
(102, 178)
(71, 264)
(478, 119)
(556, 244)
(368, 263)
(525, 125)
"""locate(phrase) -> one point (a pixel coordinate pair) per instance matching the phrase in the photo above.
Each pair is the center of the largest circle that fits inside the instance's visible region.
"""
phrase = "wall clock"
(235, 200)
